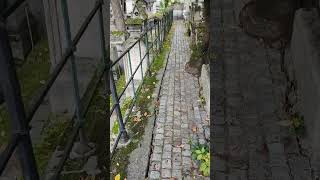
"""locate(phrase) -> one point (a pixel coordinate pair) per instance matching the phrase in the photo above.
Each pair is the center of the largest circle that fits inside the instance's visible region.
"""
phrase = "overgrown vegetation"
(134, 21)
(32, 74)
(137, 122)
(52, 137)
(125, 106)
(118, 33)
(201, 154)
(295, 123)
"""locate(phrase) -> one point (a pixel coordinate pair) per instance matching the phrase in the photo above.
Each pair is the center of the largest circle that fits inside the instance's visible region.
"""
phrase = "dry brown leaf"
(136, 119)
(145, 114)
(180, 146)
(157, 103)
(194, 128)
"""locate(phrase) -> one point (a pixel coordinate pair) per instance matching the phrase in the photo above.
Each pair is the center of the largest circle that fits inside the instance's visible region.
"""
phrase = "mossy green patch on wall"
(134, 21)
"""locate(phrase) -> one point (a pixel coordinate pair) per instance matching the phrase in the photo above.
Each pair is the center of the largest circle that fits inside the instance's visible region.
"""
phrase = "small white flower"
(148, 97)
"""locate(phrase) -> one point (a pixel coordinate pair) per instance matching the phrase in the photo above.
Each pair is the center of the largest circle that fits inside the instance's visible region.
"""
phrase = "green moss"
(118, 33)
(124, 107)
(31, 75)
(134, 21)
(120, 159)
(53, 135)
(120, 85)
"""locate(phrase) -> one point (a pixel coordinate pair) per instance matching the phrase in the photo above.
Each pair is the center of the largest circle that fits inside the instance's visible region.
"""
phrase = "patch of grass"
(53, 136)
(118, 33)
(120, 85)
(125, 106)
(134, 21)
(31, 75)
(136, 124)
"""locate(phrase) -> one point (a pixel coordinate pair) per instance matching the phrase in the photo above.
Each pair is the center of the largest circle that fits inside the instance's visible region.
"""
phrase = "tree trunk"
(266, 8)
(118, 15)
(273, 9)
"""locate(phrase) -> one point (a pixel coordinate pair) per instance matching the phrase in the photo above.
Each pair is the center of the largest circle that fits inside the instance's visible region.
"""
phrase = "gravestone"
(22, 29)
(135, 59)
(87, 54)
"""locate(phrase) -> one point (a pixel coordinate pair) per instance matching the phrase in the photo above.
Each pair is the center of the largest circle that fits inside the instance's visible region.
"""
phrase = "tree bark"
(118, 15)
(272, 9)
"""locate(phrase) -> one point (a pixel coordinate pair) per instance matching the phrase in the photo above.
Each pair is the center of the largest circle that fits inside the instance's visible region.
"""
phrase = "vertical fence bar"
(151, 40)
(12, 95)
(130, 69)
(148, 52)
(124, 135)
(141, 60)
(158, 35)
(76, 92)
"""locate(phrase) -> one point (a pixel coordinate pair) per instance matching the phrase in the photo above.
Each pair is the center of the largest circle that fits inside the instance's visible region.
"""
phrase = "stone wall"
(305, 53)
(205, 85)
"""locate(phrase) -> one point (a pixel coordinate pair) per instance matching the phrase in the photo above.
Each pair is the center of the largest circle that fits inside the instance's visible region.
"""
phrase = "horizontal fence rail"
(156, 31)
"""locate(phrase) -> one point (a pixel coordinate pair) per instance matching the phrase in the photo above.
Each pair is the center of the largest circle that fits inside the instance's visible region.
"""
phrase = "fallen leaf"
(180, 146)
(117, 177)
(145, 114)
(194, 128)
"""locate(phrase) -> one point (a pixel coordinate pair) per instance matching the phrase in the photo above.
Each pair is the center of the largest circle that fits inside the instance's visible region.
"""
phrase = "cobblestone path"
(248, 94)
(180, 117)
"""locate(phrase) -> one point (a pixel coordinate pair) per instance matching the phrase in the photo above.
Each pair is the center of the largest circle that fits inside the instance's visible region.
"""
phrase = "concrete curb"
(139, 159)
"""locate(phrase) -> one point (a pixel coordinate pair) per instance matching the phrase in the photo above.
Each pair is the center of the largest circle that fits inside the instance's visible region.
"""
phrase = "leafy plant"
(295, 124)
(201, 154)
(202, 100)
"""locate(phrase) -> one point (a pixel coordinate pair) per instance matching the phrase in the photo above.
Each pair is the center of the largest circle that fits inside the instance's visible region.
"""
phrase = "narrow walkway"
(249, 91)
(180, 117)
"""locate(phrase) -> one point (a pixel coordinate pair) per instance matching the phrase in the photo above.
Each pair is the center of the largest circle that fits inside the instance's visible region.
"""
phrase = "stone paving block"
(154, 175)
(166, 173)
(155, 157)
(155, 166)
(166, 164)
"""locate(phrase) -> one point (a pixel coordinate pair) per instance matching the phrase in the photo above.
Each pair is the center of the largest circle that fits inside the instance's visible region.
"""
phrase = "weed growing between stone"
(201, 154)
(297, 125)
(137, 122)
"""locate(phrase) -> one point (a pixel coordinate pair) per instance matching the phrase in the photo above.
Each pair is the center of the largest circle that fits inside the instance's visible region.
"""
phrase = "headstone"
(135, 60)
(22, 30)
(87, 54)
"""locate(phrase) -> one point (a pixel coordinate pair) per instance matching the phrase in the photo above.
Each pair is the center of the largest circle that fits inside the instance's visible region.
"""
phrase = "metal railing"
(156, 31)
(20, 118)
(20, 140)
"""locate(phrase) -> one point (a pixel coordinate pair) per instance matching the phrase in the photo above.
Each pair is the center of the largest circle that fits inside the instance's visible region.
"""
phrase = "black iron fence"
(20, 141)
(153, 38)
